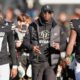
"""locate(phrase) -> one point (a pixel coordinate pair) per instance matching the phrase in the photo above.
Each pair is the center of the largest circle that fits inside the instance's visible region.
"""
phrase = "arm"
(71, 42)
(31, 40)
(11, 43)
(26, 42)
(10, 39)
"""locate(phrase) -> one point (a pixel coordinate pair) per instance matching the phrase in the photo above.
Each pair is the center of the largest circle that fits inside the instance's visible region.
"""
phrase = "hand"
(36, 49)
(56, 46)
(67, 60)
(14, 72)
(18, 43)
(59, 69)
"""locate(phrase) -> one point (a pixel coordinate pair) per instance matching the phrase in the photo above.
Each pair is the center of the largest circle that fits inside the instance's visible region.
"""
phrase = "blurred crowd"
(20, 22)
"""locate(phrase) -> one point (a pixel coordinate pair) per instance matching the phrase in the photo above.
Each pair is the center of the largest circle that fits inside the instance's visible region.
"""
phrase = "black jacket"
(7, 41)
(39, 34)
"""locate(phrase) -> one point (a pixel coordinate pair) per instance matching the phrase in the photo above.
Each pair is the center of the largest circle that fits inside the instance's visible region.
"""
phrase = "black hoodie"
(39, 32)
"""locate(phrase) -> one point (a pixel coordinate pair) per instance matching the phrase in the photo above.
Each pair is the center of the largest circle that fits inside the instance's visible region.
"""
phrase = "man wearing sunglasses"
(39, 44)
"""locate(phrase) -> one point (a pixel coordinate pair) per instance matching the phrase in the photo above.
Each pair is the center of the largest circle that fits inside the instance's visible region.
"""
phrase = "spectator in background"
(64, 35)
(76, 14)
(22, 28)
(9, 18)
(63, 22)
(23, 23)
(65, 30)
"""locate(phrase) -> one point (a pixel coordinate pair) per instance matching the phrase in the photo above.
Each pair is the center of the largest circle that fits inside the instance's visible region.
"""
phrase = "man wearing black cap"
(39, 44)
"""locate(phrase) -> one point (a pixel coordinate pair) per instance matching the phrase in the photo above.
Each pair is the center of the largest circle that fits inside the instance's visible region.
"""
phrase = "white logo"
(44, 34)
(1, 39)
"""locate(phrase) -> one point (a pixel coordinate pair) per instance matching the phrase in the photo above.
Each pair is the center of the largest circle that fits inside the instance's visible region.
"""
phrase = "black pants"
(42, 71)
(68, 73)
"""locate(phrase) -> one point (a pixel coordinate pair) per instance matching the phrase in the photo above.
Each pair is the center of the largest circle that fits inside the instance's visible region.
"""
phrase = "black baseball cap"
(46, 8)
